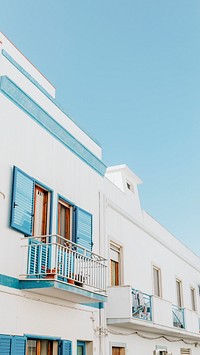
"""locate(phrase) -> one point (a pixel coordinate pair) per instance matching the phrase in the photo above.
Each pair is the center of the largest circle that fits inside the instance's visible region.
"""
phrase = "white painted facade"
(63, 161)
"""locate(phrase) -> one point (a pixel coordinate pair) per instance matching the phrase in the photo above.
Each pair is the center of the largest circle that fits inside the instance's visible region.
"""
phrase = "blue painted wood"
(81, 345)
(84, 228)
(12, 345)
(5, 345)
(66, 347)
(18, 345)
(22, 202)
(36, 112)
(38, 258)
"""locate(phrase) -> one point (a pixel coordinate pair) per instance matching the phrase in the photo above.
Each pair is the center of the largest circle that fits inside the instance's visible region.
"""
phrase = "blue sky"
(129, 73)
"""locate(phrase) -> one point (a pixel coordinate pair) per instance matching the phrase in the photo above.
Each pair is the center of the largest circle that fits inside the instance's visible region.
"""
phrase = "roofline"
(26, 58)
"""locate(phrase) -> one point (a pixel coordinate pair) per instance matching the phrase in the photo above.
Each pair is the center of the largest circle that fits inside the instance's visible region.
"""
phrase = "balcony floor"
(60, 290)
(150, 327)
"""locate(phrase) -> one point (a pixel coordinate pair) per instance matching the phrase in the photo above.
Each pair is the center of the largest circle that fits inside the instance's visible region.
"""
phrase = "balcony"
(141, 305)
(129, 308)
(132, 309)
(60, 268)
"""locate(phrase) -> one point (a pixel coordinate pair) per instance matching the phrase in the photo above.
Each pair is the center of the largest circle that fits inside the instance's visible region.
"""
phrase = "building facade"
(83, 269)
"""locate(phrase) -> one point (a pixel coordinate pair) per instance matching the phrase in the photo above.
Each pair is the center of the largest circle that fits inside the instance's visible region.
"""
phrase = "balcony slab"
(61, 290)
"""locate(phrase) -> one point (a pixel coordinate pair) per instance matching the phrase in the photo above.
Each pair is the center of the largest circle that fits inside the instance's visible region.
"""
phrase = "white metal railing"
(54, 257)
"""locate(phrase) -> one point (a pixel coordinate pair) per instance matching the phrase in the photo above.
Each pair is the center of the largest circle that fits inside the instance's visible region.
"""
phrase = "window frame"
(83, 345)
(193, 299)
(62, 201)
(116, 246)
(179, 292)
(16, 193)
(158, 280)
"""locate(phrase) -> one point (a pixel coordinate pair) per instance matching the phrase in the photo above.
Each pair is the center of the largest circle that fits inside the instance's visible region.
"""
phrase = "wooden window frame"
(68, 220)
(117, 265)
(45, 216)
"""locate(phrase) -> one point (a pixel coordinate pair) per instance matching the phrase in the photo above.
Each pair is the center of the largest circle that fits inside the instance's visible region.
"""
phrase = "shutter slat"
(84, 228)
(66, 347)
(5, 345)
(22, 202)
(18, 345)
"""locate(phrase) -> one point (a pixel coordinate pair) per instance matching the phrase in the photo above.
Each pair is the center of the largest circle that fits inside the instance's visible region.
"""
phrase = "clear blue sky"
(128, 71)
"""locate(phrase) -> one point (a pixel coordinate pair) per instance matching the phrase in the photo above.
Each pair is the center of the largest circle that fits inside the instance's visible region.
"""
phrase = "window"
(179, 293)
(64, 221)
(115, 264)
(30, 208)
(118, 351)
(74, 224)
(81, 348)
(193, 298)
(161, 350)
(42, 347)
(156, 281)
(48, 347)
(40, 214)
(185, 351)
(129, 186)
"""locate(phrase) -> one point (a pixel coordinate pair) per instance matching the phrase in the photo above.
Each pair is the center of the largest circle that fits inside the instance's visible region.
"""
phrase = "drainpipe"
(103, 246)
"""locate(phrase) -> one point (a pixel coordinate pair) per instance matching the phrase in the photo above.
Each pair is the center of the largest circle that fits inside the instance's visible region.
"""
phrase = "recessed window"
(115, 264)
(179, 293)
(41, 219)
(193, 298)
(64, 221)
(156, 281)
(130, 186)
(42, 347)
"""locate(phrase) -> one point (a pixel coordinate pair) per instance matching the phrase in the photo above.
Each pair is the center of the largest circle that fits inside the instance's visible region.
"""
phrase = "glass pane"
(62, 221)
(44, 347)
(31, 345)
(178, 289)
(156, 282)
(80, 350)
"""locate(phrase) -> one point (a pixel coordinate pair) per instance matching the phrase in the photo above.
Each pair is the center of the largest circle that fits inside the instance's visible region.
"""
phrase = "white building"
(83, 269)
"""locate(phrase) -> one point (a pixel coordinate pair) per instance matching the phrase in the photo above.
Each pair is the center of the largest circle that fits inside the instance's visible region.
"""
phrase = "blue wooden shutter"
(5, 345)
(65, 347)
(38, 257)
(18, 346)
(22, 202)
(84, 228)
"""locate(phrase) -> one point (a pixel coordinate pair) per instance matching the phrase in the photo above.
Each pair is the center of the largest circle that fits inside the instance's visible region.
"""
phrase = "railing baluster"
(54, 255)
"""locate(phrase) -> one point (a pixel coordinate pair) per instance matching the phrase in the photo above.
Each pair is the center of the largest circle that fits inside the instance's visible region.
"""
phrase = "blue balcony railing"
(141, 305)
(178, 317)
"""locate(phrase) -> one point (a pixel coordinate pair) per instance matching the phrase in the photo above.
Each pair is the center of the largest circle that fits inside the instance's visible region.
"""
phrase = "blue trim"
(41, 337)
(29, 284)
(35, 82)
(9, 281)
(83, 346)
(39, 284)
(26, 74)
(98, 305)
(36, 112)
